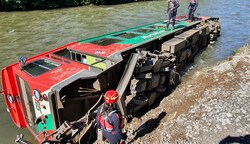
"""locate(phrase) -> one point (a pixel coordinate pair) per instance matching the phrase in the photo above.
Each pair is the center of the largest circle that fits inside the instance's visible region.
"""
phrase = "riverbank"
(20, 5)
(212, 107)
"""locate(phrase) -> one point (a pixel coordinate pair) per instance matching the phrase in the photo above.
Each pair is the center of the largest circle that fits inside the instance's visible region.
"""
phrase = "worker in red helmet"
(108, 118)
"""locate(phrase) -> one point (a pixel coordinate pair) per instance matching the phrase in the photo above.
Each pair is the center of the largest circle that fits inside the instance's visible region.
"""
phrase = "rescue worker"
(193, 4)
(108, 118)
(172, 12)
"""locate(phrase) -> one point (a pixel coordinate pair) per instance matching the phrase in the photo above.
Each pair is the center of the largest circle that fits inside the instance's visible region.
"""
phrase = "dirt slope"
(212, 108)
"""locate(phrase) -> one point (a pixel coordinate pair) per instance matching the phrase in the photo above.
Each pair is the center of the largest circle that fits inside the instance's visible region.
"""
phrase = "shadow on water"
(236, 140)
(148, 126)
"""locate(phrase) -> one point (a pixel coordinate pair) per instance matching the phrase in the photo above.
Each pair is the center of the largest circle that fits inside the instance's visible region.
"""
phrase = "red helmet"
(110, 96)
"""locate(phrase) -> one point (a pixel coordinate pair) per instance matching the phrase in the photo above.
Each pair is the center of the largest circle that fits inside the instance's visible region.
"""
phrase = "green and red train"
(54, 94)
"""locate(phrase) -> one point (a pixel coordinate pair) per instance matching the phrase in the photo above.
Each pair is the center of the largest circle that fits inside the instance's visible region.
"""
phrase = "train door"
(28, 105)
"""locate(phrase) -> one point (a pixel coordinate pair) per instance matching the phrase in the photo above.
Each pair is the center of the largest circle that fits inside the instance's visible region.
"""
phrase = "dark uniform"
(109, 122)
(172, 12)
(192, 7)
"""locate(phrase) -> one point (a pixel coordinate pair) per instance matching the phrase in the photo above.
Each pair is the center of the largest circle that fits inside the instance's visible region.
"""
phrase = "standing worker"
(172, 12)
(193, 4)
(108, 118)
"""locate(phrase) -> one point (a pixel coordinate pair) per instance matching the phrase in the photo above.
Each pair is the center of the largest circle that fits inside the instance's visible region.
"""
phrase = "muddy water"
(29, 33)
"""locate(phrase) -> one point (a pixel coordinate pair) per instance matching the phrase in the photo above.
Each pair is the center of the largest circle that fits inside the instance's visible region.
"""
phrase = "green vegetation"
(10, 5)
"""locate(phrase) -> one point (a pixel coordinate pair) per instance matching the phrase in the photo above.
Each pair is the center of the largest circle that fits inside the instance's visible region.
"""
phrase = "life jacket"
(105, 121)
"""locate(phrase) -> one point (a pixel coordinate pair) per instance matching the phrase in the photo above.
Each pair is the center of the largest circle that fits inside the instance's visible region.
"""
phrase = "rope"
(91, 109)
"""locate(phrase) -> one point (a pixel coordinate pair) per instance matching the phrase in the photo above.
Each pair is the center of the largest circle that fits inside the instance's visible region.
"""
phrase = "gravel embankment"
(212, 108)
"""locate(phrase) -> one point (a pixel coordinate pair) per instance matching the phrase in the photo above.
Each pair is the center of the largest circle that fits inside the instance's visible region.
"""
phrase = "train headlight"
(10, 99)
(37, 95)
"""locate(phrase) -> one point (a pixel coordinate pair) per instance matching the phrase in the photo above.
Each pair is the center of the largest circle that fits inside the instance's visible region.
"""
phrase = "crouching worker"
(108, 118)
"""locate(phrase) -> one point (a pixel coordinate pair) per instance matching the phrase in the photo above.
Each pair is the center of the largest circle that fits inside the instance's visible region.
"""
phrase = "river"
(28, 33)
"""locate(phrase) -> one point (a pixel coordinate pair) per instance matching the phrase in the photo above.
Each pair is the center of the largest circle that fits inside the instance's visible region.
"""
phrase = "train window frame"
(78, 57)
(127, 35)
(105, 41)
(82, 58)
(144, 30)
(35, 68)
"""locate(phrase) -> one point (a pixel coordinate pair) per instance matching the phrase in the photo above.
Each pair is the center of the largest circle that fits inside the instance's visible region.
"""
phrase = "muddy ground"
(212, 108)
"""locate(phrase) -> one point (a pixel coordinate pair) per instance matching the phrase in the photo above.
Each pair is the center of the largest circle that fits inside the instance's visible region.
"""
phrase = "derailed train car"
(55, 94)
